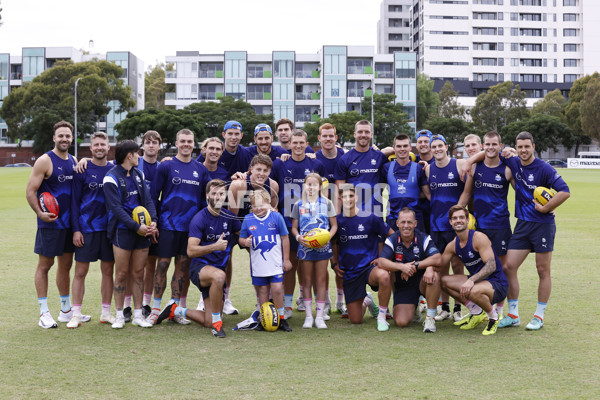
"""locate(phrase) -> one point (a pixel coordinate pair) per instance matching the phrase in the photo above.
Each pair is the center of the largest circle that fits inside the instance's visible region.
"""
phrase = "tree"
(390, 118)
(155, 86)
(31, 110)
(449, 107)
(344, 126)
(427, 100)
(554, 103)
(590, 110)
(454, 130)
(547, 130)
(573, 109)
(501, 105)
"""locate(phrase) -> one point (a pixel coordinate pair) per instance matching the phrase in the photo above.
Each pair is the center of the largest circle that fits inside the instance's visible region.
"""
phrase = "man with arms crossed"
(53, 173)
(487, 284)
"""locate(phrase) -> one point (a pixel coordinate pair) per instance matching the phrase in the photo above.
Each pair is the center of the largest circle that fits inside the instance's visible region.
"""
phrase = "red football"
(48, 203)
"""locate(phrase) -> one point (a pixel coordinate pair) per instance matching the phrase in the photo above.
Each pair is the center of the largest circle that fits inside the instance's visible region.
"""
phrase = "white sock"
(308, 306)
(127, 302)
(539, 311)
(320, 308)
(492, 314)
(382, 313)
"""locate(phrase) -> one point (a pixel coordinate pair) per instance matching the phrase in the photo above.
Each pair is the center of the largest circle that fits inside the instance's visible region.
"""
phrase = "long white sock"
(308, 306)
(539, 311)
(320, 308)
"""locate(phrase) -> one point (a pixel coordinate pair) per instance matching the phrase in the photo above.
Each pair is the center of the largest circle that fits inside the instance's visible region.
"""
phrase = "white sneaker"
(287, 312)
(327, 308)
(181, 320)
(46, 321)
(418, 317)
(66, 316)
(300, 304)
(326, 317)
(429, 325)
(319, 323)
(200, 305)
(119, 323)
(457, 316)
(107, 318)
(75, 322)
(442, 315)
(228, 308)
(308, 322)
(341, 307)
(373, 308)
(151, 319)
(141, 322)
(422, 307)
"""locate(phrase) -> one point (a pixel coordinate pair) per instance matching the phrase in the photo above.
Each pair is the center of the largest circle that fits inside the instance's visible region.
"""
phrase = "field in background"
(175, 362)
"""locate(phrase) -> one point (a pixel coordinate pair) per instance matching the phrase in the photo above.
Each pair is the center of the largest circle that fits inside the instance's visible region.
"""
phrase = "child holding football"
(313, 211)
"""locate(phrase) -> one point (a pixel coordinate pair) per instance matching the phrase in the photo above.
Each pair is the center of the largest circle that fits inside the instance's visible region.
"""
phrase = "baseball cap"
(262, 128)
(424, 132)
(232, 125)
(437, 137)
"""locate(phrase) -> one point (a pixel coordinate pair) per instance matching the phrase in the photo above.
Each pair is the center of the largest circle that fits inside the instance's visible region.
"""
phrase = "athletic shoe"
(418, 317)
(491, 327)
(127, 314)
(217, 330)
(75, 322)
(146, 310)
(119, 323)
(200, 305)
(249, 324)
(509, 321)
(287, 313)
(373, 309)
(181, 320)
(422, 307)
(166, 313)
(284, 326)
(327, 308)
(259, 328)
(474, 321)
(66, 316)
(462, 321)
(535, 324)
(46, 321)
(442, 315)
(141, 322)
(326, 317)
(300, 304)
(340, 307)
(320, 323)
(107, 318)
(152, 318)
(229, 309)
(308, 322)
(383, 326)
(429, 325)
(345, 313)
(457, 316)
(388, 314)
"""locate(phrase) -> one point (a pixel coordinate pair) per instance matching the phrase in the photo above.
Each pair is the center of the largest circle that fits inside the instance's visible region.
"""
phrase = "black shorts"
(129, 240)
(500, 291)
(53, 242)
(96, 246)
(171, 244)
(533, 236)
(500, 239)
(408, 292)
(153, 250)
(441, 239)
(355, 289)
(195, 279)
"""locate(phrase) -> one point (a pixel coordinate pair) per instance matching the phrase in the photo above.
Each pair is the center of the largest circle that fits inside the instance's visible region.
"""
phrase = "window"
(32, 66)
(448, 32)
(405, 70)
(357, 88)
(531, 62)
(569, 47)
(569, 3)
(570, 78)
(569, 32)
(236, 90)
(398, 36)
(514, 47)
(485, 61)
(450, 16)
(335, 64)
(384, 70)
(210, 92)
(485, 15)
(530, 32)
(211, 70)
(384, 89)
(259, 70)
(307, 70)
(261, 110)
(531, 47)
(307, 92)
(306, 113)
(485, 77)
(235, 68)
(406, 92)
(570, 62)
(530, 2)
(187, 92)
(359, 66)
(283, 91)
(485, 46)
(531, 78)
(335, 88)
(484, 31)
(3, 91)
(448, 63)
(569, 17)
(530, 17)
(514, 16)
(449, 48)
(283, 68)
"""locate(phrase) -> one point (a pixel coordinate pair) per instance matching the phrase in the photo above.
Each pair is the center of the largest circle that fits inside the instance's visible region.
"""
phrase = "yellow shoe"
(474, 321)
(491, 327)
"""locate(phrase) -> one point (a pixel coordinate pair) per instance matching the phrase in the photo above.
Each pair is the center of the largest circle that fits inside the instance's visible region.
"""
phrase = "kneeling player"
(265, 233)
(209, 248)
(487, 284)
(412, 255)
(360, 241)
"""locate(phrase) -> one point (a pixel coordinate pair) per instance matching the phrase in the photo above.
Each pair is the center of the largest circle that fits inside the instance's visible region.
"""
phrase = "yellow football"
(269, 317)
(324, 183)
(317, 237)
(413, 157)
(472, 222)
(141, 216)
(542, 195)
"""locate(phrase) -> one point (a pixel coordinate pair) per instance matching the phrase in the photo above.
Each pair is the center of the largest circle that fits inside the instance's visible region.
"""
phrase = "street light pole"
(76, 136)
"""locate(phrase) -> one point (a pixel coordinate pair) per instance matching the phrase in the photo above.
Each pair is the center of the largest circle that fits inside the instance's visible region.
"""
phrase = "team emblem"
(195, 174)
(450, 175)
(399, 250)
(93, 185)
(416, 250)
(477, 184)
(253, 228)
(471, 254)
(361, 227)
(354, 172)
(498, 179)
(224, 225)
(176, 181)
(433, 185)
(306, 171)
(373, 162)
(530, 178)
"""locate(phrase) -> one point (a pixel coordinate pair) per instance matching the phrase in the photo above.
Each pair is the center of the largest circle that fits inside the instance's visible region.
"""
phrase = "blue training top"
(88, 208)
(59, 184)
(490, 190)
(446, 187)
(473, 262)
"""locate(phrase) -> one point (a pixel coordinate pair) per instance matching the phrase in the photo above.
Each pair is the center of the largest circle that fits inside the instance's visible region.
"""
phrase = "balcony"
(308, 96)
(170, 74)
(170, 96)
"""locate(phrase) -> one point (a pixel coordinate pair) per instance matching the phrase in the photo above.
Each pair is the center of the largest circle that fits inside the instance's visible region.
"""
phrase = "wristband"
(297, 240)
(333, 265)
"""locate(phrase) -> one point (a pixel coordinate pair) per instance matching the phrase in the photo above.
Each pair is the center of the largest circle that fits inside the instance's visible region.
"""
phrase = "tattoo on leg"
(119, 289)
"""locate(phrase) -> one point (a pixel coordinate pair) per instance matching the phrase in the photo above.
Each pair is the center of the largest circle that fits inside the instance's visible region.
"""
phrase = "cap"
(424, 132)
(262, 128)
(232, 125)
(437, 137)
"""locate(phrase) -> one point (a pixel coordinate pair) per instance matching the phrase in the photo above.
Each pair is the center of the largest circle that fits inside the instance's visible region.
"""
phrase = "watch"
(417, 264)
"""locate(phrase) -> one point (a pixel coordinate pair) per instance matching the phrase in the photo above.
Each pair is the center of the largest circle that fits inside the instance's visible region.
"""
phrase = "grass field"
(345, 362)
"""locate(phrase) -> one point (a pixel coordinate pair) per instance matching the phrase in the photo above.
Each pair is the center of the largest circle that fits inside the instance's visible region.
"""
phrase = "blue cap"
(424, 132)
(262, 128)
(232, 125)
(437, 137)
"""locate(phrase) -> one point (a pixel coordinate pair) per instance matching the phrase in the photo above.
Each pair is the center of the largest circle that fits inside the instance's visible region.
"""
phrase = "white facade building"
(393, 31)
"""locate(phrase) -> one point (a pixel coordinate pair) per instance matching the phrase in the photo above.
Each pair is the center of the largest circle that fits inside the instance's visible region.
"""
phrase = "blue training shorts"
(53, 242)
(534, 236)
(500, 239)
(96, 246)
(129, 240)
(266, 280)
(171, 244)
(355, 288)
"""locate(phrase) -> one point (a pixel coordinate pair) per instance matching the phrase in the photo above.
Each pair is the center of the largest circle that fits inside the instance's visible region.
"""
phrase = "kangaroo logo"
(265, 246)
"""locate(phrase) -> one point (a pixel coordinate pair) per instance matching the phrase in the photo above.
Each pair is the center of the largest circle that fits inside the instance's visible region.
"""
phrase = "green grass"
(344, 361)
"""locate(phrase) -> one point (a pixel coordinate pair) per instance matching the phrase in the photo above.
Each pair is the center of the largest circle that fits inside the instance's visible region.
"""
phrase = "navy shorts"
(129, 240)
(500, 291)
(309, 254)
(355, 289)
(293, 242)
(265, 280)
(500, 239)
(408, 292)
(441, 239)
(195, 279)
(534, 236)
(153, 250)
(96, 246)
(392, 223)
(53, 242)
(171, 244)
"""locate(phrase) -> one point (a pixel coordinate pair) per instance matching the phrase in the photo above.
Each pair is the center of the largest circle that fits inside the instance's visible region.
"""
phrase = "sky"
(155, 29)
